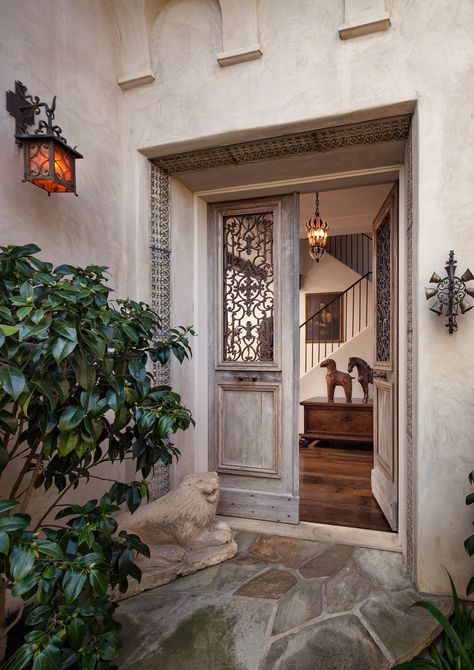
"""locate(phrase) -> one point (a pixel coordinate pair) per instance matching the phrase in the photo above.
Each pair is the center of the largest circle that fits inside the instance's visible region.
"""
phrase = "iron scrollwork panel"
(248, 288)
(383, 290)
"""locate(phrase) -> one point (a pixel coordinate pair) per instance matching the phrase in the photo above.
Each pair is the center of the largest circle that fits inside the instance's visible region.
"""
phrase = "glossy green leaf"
(137, 369)
(49, 548)
(12, 523)
(22, 657)
(38, 315)
(22, 559)
(7, 505)
(9, 330)
(48, 659)
(62, 348)
(39, 614)
(99, 581)
(67, 331)
(77, 631)
(73, 583)
(84, 371)
(88, 659)
(4, 542)
(71, 417)
(67, 443)
(24, 311)
(23, 587)
(12, 381)
(39, 331)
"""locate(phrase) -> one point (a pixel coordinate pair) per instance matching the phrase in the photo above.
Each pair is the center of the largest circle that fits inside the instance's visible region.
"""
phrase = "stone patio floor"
(281, 604)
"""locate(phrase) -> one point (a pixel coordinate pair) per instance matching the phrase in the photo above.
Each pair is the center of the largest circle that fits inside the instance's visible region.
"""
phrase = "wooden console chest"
(338, 420)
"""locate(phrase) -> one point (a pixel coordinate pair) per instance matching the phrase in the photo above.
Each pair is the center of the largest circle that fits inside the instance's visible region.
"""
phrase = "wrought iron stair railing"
(354, 250)
(341, 319)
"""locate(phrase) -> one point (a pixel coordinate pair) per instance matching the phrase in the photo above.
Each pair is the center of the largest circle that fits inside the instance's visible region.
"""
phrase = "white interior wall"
(330, 276)
(313, 383)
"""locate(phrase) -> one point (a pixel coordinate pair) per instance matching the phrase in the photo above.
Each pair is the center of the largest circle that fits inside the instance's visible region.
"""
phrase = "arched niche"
(135, 20)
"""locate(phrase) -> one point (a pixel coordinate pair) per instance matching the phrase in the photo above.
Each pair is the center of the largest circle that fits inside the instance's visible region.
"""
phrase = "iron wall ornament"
(383, 278)
(49, 162)
(248, 287)
(450, 292)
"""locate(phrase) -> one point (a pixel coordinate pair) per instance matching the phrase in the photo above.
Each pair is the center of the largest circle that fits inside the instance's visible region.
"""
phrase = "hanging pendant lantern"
(317, 233)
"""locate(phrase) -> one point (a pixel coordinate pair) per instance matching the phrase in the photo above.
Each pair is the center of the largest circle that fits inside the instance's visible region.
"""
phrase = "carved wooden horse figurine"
(336, 378)
(365, 372)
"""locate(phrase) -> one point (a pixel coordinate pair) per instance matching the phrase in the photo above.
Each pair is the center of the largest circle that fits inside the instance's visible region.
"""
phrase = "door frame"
(403, 540)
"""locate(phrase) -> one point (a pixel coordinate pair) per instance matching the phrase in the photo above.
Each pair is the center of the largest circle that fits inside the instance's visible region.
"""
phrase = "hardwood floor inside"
(335, 486)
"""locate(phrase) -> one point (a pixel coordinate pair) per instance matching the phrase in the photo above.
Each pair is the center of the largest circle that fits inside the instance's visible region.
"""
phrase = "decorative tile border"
(410, 367)
(322, 140)
(160, 250)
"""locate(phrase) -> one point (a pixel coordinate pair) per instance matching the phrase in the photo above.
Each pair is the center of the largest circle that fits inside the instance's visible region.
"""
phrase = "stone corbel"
(363, 17)
(134, 43)
(240, 39)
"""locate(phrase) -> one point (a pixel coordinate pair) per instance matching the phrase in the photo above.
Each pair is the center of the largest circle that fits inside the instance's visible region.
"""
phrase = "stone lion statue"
(181, 531)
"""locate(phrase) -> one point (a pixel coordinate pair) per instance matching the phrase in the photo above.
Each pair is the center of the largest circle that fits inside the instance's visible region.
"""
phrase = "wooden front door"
(385, 471)
(254, 356)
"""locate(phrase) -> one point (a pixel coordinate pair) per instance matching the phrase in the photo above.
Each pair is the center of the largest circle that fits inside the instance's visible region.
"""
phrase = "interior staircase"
(348, 314)
(354, 310)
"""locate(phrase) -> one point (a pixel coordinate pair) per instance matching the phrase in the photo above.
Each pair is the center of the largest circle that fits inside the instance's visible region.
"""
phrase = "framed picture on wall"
(328, 324)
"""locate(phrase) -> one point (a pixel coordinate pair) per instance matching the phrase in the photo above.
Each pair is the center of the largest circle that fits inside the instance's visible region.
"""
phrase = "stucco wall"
(67, 49)
(307, 72)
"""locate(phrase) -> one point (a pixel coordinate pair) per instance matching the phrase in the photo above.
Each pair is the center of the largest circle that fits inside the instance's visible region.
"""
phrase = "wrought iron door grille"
(383, 281)
(248, 285)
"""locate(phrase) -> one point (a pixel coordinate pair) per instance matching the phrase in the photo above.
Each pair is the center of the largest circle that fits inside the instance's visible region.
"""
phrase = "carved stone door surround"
(368, 132)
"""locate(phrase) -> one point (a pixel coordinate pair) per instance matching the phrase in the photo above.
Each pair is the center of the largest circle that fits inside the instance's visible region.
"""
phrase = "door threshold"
(305, 530)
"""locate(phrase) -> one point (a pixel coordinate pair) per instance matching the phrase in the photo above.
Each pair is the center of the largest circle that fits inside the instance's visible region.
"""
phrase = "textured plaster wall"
(63, 48)
(307, 72)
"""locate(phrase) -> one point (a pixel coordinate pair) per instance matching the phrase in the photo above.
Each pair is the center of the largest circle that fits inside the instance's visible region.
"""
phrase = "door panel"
(252, 446)
(253, 389)
(385, 471)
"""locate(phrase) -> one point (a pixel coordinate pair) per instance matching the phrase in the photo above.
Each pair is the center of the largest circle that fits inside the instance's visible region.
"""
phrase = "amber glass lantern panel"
(49, 164)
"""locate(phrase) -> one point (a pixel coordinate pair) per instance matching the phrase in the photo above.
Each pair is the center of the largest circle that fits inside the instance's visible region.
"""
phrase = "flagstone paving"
(281, 604)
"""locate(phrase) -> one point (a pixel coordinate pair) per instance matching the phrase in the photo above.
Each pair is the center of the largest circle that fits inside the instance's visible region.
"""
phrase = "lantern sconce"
(450, 293)
(49, 162)
(317, 229)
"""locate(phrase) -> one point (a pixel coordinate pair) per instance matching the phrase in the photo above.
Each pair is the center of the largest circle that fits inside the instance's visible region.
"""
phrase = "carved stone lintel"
(314, 141)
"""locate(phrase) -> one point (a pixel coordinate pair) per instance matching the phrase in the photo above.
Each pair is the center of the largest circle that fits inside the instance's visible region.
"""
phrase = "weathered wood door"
(254, 356)
(385, 471)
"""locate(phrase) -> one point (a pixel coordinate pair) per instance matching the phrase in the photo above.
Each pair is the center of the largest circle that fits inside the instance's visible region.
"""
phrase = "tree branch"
(24, 470)
(51, 507)
(31, 485)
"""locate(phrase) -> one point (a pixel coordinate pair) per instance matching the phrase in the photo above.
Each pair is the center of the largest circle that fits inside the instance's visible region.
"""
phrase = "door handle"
(246, 378)
(380, 375)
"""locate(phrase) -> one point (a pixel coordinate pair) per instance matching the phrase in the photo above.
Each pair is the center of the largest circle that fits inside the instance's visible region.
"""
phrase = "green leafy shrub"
(76, 392)
(469, 542)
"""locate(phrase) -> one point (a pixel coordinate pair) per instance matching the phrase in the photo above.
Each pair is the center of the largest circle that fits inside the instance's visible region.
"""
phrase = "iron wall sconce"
(49, 162)
(450, 293)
